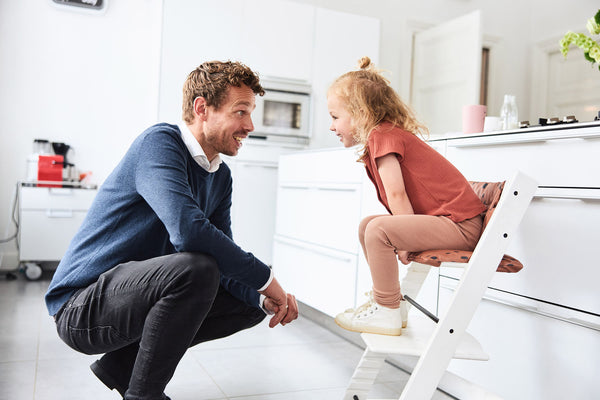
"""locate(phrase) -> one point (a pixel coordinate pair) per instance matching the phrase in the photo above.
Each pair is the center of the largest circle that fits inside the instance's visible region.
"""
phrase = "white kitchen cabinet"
(540, 326)
(195, 31)
(254, 172)
(319, 276)
(304, 206)
(543, 358)
(341, 40)
(278, 38)
(49, 217)
(253, 204)
(316, 254)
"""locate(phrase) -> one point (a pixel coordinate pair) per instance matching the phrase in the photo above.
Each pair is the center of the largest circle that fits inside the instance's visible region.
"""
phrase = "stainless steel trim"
(451, 283)
(567, 193)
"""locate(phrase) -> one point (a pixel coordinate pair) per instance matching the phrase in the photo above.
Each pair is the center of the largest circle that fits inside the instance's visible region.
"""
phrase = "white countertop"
(556, 130)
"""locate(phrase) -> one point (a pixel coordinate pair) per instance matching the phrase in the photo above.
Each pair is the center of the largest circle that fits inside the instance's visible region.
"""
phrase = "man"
(153, 269)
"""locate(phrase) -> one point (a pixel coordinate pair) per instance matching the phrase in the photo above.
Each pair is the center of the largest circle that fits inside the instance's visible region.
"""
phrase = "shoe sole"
(378, 331)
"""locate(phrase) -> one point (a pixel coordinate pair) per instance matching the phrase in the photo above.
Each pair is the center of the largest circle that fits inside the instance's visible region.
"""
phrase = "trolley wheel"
(32, 271)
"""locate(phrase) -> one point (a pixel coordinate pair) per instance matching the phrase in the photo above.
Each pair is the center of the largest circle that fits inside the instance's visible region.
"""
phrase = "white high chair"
(436, 343)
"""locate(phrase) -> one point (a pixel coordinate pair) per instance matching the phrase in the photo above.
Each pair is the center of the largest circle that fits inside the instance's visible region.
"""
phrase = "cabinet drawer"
(45, 235)
(568, 162)
(321, 166)
(322, 215)
(555, 243)
(322, 278)
(543, 358)
(41, 198)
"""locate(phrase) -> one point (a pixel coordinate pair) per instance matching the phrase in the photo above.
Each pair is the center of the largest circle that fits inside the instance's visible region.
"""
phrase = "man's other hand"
(292, 308)
(282, 304)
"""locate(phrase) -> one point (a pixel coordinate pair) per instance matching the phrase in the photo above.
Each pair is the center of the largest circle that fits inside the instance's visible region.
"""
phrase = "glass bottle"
(509, 115)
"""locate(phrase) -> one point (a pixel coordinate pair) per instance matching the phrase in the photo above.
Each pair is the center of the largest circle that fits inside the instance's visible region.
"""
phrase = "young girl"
(430, 204)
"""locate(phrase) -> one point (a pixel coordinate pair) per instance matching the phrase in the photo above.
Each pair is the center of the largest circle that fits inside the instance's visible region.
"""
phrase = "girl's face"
(341, 122)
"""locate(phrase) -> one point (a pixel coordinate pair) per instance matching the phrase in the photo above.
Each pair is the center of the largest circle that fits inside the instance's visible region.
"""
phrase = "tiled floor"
(299, 361)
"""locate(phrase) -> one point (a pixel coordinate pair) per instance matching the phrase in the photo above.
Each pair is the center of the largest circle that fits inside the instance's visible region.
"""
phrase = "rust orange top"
(433, 185)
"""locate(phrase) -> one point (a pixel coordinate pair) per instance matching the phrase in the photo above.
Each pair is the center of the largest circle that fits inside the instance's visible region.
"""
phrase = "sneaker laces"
(366, 306)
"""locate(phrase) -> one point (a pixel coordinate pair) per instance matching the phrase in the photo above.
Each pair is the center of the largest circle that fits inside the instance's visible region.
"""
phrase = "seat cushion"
(489, 193)
(436, 257)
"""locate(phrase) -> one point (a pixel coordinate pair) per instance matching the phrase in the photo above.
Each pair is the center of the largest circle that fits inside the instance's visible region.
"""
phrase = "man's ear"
(200, 108)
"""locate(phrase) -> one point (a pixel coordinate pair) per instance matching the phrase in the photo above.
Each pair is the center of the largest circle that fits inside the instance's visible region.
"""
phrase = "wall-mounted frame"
(98, 5)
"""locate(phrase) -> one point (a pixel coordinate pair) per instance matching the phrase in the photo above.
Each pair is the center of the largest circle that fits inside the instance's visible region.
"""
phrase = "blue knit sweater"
(158, 201)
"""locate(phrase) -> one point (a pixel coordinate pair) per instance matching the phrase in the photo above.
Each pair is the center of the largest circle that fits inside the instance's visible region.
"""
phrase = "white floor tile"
(302, 360)
(17, 380)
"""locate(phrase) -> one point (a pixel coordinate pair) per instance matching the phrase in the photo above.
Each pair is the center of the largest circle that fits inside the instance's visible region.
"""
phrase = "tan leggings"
(382, 235)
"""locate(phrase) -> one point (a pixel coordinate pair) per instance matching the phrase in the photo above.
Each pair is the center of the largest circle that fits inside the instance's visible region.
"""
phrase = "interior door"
(573, 87)
(447, 72)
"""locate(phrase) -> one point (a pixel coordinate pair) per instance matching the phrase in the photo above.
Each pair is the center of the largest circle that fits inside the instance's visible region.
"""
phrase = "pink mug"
(473, 118)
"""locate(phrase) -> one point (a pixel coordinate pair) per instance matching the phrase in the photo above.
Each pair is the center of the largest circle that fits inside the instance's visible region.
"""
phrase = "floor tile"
(70, 379)
(275, 369)
(17, 380)
(302, 360)
(192, 382)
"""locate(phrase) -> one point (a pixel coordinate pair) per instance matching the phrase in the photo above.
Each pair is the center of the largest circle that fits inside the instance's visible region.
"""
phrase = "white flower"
(593, 27)
(595, 53)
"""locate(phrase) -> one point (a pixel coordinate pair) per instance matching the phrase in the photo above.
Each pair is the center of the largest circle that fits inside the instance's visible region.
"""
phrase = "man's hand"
(292, 308)
(282, 304)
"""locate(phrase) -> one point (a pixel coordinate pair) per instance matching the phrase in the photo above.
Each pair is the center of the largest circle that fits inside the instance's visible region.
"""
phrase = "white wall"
(91, 80)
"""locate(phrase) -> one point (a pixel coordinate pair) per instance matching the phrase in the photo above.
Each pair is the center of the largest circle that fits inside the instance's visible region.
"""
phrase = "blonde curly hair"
(370, 100)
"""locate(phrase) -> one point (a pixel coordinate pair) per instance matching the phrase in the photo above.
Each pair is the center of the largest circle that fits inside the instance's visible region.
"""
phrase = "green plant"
(591, 48)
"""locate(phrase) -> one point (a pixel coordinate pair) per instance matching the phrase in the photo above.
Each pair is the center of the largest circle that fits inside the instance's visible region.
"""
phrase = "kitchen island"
(541, 326)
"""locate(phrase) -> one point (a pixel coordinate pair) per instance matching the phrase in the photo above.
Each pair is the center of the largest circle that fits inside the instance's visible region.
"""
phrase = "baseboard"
(450, 383)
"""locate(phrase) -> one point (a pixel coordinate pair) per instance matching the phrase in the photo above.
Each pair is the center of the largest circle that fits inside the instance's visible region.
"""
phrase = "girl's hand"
(402, 256)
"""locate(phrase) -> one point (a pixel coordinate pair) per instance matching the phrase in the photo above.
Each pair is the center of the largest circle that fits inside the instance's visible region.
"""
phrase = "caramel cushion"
(489, 193)
(437, 257)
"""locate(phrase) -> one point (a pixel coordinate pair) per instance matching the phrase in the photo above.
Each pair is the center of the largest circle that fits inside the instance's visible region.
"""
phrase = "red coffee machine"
(50, 169)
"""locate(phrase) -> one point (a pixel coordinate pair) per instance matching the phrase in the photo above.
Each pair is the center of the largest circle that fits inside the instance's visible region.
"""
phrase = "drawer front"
(555, 242)
(323, 215)
(317, 276)
(542, 357)
(45, 235)
(568, 162)
(36, 198)
(316, 166)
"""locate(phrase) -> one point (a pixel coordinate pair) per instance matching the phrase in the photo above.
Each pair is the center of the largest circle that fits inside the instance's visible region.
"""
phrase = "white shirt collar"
(196, 150)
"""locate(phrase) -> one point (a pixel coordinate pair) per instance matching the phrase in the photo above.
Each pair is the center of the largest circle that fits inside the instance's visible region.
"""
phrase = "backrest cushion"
(489, 193)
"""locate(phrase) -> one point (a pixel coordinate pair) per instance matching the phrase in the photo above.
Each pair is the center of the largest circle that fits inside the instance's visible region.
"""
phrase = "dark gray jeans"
(145, 314)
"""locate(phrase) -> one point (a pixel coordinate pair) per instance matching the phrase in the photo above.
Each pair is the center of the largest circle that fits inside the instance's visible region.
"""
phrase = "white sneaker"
(404, 306)
(374, 318)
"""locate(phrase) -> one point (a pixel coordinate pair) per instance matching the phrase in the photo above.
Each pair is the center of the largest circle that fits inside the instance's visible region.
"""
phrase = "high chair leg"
(413, 280)
(364, 375)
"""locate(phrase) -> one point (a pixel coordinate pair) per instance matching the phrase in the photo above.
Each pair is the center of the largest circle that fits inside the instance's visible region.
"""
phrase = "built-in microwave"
(283, 113)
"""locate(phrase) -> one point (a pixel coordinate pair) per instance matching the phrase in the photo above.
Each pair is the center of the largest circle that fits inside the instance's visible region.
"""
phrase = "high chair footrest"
(419, 307)
(414, 340)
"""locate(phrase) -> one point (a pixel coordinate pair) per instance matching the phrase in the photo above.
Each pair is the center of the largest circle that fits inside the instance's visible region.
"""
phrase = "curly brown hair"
(370, 100)
(212, 79)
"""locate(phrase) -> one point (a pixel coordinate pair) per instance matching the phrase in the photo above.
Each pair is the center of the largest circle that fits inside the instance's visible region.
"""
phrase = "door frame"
(540, 66)
(491, 42)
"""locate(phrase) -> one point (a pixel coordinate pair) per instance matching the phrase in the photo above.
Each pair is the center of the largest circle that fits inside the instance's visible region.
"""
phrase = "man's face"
(226, 127)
